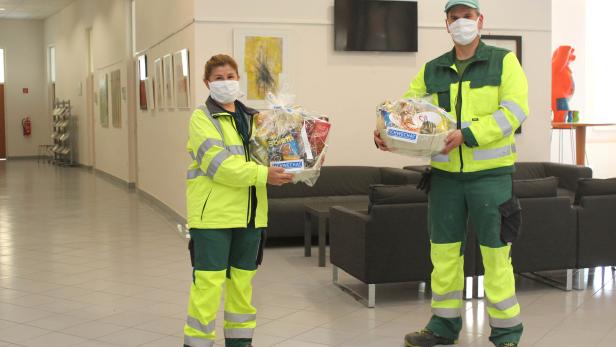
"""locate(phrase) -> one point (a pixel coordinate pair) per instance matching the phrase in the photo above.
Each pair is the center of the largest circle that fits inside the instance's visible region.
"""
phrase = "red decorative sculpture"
(563, 86)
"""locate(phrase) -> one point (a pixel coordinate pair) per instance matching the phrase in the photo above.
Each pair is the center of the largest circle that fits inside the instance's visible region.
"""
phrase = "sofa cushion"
(595, 186)
(393, 176)
(536, 187)
(395, 194)
(333, 180)
(528, 170)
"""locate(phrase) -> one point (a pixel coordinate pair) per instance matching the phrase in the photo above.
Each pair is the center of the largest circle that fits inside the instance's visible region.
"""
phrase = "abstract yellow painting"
(263, 63)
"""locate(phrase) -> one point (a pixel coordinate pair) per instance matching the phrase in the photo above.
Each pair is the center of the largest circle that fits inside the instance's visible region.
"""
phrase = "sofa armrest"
(347, 240)
(568, 174)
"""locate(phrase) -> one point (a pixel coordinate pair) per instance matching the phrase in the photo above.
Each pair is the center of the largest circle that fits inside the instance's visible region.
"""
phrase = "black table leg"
(307, 235)
(322, 239)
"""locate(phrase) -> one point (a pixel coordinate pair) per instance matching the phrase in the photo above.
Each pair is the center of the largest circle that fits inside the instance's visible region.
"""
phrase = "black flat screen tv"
(375, 25)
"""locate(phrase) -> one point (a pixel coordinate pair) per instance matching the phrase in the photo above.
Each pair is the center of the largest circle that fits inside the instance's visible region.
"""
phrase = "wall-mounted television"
(375, 25)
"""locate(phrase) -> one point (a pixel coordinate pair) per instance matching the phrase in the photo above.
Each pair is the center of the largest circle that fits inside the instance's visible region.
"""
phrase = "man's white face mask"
(464, 31)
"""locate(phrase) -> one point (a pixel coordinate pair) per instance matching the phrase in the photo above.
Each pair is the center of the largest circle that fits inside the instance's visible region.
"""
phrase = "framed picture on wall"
(264, 62)
(116, 99)
(510, 42)
(149, 92)
(181, 79)
(103, 111)
(142, 69)
(158, 84)
(168, 81)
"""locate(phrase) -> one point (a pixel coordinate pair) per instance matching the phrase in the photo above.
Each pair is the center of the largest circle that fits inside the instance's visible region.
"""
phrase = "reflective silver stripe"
(207, 144)
(216, 162)
(457, 295)
(465, 125)
(441, 158)
(515, 109)
(494, 153)
(240, 317)
(197, 342)
(213, 120)
(239, 333)
(446, 312)
(197, 325)
(503, 122)
(505, 323)
(236, 149)
(194, 173)
(505, 304)
(192, 155)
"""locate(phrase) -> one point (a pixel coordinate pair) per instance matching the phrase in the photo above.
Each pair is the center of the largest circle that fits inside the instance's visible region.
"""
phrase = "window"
(600, 77)
(1, 65)
(52, 64)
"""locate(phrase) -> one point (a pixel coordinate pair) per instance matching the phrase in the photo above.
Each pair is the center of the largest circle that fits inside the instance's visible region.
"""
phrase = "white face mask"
(225, 92)
(464, 31)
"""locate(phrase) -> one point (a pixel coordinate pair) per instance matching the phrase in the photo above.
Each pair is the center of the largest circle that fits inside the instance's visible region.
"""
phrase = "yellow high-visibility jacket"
(221, 175)
(494, 95)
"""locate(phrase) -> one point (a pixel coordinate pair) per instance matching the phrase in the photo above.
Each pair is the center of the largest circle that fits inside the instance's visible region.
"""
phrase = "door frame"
(3, 125)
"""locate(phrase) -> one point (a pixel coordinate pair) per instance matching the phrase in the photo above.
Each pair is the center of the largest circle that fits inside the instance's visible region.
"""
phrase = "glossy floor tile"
(83, 262)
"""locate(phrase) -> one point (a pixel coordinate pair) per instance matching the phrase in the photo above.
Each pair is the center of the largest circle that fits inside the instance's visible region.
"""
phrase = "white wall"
(579, 24)
(162, 134)
(22, 41)
(349, 85)
(66, 30)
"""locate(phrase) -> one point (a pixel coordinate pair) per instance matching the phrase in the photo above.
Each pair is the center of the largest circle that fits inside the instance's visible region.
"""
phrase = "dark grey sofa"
(548, 238)
(336, 185)
(596, 205)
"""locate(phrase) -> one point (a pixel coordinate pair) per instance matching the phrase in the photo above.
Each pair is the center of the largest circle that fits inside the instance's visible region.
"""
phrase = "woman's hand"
(277, 177)
(378, 141)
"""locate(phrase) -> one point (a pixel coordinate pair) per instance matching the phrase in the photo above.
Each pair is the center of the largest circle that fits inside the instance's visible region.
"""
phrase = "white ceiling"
(31, 9)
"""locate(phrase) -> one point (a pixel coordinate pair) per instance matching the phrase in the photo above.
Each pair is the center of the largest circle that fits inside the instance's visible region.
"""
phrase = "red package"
(317, 130)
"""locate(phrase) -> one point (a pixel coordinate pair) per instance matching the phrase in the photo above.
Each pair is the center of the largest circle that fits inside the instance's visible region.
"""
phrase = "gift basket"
(413, 127)
(291, 138)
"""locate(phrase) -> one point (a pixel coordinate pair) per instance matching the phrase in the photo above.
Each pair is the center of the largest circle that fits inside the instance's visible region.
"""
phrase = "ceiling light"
(2, 9)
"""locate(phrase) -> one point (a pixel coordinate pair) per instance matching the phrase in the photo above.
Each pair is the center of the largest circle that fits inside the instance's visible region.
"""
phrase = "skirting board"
(27, 157)
(173, 217)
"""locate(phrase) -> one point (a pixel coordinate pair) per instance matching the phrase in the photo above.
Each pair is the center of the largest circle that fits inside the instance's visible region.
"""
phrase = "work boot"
(508, 344)
(426, 338)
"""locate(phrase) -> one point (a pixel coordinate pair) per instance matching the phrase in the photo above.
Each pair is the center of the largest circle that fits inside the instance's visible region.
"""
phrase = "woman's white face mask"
(464, 31)
(225, 92)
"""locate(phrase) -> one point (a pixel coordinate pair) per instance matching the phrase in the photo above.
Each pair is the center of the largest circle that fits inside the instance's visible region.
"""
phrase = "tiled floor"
(85, 263)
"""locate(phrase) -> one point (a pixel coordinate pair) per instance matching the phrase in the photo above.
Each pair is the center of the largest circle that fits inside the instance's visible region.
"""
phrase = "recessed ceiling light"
(2, 9)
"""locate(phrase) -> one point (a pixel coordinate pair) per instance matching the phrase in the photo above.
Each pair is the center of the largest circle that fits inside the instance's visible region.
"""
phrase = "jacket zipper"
(459, 118)
(247, 158)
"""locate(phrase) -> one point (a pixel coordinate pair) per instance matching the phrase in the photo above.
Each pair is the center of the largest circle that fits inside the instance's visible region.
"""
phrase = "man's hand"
(277, 177)
(379, 141)
(453, 140)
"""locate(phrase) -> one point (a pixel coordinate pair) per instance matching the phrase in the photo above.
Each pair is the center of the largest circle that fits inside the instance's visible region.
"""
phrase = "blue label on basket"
(289, 165)
(402, 135)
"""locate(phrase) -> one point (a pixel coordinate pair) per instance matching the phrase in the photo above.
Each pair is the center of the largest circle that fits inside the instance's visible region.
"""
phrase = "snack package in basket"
(290, 137)
(413, 127)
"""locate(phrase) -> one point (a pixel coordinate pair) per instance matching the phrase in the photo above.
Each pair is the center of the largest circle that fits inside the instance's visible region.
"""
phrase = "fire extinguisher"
(26, 125)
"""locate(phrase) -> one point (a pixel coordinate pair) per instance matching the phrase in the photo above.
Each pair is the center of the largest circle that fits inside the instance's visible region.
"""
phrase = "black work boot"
(426, 338)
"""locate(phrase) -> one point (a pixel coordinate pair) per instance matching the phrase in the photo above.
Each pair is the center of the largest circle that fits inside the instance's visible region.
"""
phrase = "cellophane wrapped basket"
(290, 137)
(413, 127)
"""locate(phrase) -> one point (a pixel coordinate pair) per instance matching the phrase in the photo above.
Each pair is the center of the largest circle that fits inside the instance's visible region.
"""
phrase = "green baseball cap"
(467, 3)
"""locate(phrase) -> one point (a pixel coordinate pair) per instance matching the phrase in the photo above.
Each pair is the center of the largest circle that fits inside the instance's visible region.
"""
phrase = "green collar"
(216, 110)
(448, 59)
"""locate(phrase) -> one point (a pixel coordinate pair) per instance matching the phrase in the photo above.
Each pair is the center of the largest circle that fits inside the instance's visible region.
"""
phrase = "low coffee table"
(319, 212)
